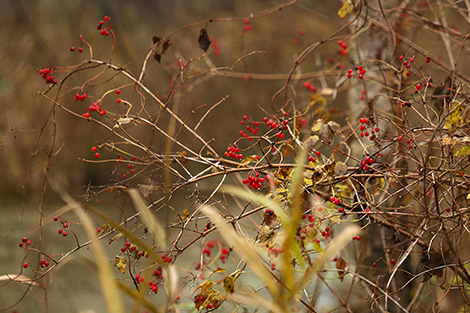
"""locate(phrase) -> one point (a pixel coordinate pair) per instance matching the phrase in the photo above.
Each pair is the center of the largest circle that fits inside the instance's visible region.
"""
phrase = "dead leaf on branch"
(329, 130)
(121, 263)
(208, 297)
(341, 266)
(454, 119)
(203, 40)
(346, 8)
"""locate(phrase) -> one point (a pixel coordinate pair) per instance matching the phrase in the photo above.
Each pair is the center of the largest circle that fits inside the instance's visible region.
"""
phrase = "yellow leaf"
(330, 169)
(121, 263)
(346, 8)
(317, 125)
(247, 160)
(286, 148)
(218, 270)
(104, 228)
(229, 284)
(184, 217)
(464, 151)
(454, 119)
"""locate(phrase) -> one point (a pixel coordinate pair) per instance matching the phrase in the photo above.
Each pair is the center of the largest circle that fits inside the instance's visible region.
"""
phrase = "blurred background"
(39, 33)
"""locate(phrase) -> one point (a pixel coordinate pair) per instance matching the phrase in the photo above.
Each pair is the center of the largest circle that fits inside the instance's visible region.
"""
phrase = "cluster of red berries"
(407, 64)
(80, 97)
(63, 230)
(26, 241)
(158, 273)
(72, 49)
(428, 59)
(366, 129)
(95, 107)
(233, 152)
(335, 200)
(356, 238)
(46, 73)
(131, 170)
(308, 216)
(326, 232)
(273, 266)
(246, 27)
(104, 26)
(139, 278)
(44, 263)
(153, 287)
(168, 259)
(406, 103)
(215, 46)
(128, 246)
(273, 251)
(365, 163)
(309, 86)
(80, 50)
(202, 299)
(360, 70)
(312, 159)
(225, 253)
(343, 47)
(281, 126)
(408, 142)
(208, 249)
(254, 181)
(296, 39)
(417, 88)
(251, 127)
(97, 154)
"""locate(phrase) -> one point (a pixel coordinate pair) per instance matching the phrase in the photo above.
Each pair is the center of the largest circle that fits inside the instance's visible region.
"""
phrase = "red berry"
(106, 18)
(56, 218)
(25, 265)
(97, 155)
(392, 261)
(72, 49)
(93, 149)
(118, 92)
(80, 50)
(64, 234)
(60, 231)
(374, 264)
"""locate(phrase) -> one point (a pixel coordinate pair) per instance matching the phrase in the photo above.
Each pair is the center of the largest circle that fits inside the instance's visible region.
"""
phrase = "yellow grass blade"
(340, 241)
(244, 248)
(108, 283)
(154, 227)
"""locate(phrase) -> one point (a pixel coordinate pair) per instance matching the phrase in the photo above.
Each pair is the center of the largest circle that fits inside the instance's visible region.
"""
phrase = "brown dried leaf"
(203, 40)
(340, 266)
(340, 169)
